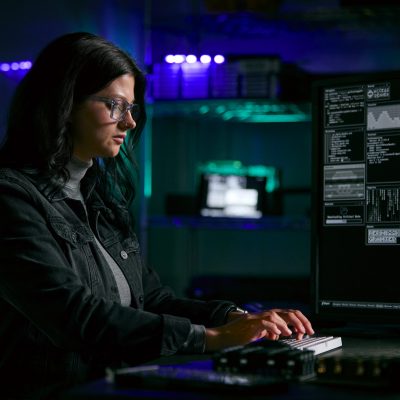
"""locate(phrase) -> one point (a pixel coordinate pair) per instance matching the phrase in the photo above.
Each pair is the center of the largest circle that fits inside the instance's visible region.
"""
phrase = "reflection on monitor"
(231, 195)
(356, 196)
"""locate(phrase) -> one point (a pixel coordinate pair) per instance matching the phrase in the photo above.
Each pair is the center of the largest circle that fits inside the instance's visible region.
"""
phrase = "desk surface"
(306, 390)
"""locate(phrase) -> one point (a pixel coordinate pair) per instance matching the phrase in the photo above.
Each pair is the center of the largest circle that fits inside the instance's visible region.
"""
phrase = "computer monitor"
(356, 198)
(231, 195)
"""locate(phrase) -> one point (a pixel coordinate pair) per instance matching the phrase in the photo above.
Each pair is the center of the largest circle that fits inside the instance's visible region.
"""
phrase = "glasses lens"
(135, 111)
(119, 110)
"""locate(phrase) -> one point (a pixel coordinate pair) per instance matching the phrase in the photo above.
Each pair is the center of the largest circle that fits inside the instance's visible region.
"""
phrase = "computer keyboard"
(317, 344)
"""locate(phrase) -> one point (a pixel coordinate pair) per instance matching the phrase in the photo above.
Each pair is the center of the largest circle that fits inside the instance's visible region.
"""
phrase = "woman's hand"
(245, 328)
(295, 319)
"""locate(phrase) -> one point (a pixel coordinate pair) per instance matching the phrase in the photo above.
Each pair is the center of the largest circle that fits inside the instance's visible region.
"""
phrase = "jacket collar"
(53, 191)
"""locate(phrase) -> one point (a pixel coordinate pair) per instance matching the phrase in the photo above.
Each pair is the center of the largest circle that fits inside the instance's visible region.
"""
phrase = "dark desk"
(301, 391)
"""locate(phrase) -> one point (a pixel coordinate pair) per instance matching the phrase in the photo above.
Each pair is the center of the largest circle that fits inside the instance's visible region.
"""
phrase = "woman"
(74, 295)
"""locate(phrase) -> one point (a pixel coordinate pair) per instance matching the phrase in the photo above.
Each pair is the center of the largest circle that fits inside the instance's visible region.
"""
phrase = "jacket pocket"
(77, 242)
(131, 245)
(75, 235)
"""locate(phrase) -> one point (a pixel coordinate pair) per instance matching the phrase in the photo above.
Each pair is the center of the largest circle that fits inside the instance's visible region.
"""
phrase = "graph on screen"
(383, 117)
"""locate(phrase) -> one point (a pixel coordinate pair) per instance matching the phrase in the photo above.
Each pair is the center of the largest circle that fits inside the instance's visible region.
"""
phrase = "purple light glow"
(218, 59)
(179, 58)
(205, 59)
(191, 58)
(15, 66)
(170, 59)
(25, 65)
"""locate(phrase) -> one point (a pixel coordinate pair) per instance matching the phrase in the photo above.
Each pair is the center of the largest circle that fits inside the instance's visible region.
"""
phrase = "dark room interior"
(307, 39)
(229, 92)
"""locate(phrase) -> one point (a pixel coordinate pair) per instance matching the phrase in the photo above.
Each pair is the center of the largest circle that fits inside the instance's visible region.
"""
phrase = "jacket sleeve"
(162, 300)
(38, 283)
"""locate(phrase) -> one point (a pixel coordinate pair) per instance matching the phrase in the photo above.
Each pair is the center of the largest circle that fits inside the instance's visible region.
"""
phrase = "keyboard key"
(317, 344)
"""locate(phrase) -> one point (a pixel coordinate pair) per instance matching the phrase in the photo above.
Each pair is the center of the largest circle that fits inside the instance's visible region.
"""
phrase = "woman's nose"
(128, 122)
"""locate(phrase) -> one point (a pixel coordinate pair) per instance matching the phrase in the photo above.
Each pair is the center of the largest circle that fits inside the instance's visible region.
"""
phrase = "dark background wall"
(310, 37)
(27, 26)
(319, 36)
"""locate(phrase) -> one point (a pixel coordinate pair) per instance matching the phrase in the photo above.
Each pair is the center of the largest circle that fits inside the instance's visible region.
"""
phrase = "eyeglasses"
(119, 108)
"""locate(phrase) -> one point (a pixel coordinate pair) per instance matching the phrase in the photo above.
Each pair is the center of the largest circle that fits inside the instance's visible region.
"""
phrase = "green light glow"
(227, 167)
(204, 109)
(270, 172)
(241, 110)
(256, 112)
(267, 118)
(220, 109)
(227, 115)
(147, 138)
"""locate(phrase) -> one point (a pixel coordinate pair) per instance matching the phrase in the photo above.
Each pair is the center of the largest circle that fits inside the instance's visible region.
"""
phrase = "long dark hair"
(68, 70)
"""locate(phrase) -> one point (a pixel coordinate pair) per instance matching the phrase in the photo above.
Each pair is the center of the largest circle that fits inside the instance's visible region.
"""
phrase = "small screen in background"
(232, 196)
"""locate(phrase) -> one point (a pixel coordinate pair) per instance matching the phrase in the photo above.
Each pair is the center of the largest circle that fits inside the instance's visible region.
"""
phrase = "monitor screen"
(356, 198)
(230, 195)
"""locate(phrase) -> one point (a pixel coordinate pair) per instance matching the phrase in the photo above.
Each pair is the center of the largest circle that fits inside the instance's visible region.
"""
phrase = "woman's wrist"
(235, 313)
(212, 335)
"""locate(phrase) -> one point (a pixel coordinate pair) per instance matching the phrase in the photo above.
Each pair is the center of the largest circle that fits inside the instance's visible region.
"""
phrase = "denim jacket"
(61, 321)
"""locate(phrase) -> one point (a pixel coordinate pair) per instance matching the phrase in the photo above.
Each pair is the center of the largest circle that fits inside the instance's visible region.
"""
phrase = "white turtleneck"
(77, 170)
